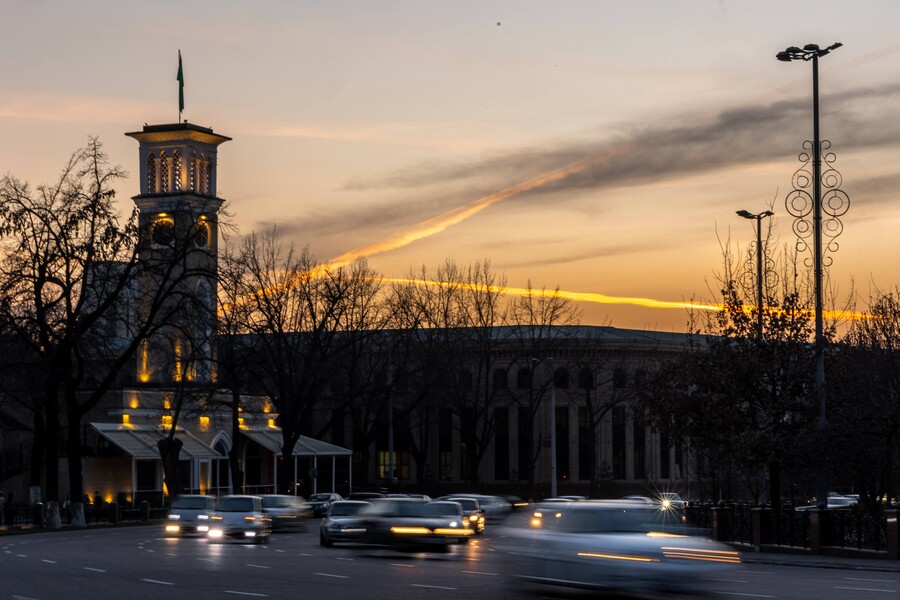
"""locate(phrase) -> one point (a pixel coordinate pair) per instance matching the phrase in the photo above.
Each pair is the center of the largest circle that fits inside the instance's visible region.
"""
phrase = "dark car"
(286, 512)
(365, 495)
(320, 503)
(342, 522)
(411, 524)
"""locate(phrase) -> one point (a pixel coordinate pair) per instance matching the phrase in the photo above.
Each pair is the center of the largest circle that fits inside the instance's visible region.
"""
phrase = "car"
(365, 495)
(286, 512)
(189, 514)
(240, 517)
(496, 508)
(669, 500)
(472, 512)
(411, 524)
(342, 522)
(321, 502)
(640, 499)
(614, 545)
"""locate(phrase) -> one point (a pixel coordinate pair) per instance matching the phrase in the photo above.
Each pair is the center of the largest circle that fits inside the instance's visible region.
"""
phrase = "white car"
(240, 517)
(190, 513)
(614, 545)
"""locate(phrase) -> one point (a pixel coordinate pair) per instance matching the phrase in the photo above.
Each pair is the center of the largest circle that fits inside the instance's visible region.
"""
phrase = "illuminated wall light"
(166, 421)
(126, 419)
(204, 423)
(167, 402)
(134, 403)
(144, 367)
(177, 373)
(272, 424)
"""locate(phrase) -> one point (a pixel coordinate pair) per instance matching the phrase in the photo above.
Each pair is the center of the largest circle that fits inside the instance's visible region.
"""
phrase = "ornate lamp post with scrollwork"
(806, 207)
(758, 217)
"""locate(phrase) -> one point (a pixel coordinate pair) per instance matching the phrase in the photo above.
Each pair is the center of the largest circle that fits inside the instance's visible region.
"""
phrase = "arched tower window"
(162, 230)
(192, 173)
(207, 178)
(163, 172)
(176, 171)
(151, 174)
(202, 233)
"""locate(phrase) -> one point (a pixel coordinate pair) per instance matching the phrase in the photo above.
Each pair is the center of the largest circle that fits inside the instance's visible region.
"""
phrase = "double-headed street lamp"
(758, 217)
(812, 52)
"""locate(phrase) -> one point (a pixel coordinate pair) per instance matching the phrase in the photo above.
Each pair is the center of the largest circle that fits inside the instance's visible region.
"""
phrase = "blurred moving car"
(617, 545)
(321, 502)
(365, 495)
(286, 512)
(496, 508)
(411, 524)
(342, 522)
(670, 500)
(473, 515)
(240, 517)
(190, 514)
(833, 502)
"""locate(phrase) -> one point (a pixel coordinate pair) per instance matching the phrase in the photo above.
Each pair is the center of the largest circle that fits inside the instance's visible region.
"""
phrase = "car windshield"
(396, 508)
(320, 497)
(236, 505)
(281, 501)
(467, 503)
(340, 509)
(191, 502)
(441, 509)
(611, 520)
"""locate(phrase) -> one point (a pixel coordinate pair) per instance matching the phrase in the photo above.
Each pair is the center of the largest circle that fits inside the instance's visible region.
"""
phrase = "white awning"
(139, 441)
(271, 439)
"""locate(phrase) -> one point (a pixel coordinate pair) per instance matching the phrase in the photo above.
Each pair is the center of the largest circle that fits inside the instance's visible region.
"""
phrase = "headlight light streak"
(701, 554)
(618, 557)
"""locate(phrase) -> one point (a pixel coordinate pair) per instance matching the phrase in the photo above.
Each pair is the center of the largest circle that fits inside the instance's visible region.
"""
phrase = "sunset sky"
(599, 146)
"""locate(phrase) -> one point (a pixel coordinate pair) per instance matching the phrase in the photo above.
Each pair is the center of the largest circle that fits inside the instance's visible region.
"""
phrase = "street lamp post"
(812, 52)
(546, 363)
(759, 264)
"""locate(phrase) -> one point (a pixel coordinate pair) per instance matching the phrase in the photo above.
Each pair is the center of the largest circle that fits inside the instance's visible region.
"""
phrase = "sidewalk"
(820, 562)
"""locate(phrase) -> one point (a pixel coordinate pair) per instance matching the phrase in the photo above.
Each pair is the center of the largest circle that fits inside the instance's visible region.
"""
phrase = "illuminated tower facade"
(178, 220)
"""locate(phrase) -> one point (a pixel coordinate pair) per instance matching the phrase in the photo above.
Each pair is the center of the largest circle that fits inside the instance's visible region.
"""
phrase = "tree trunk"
(73, 455)
(51, 460)
(169, 449)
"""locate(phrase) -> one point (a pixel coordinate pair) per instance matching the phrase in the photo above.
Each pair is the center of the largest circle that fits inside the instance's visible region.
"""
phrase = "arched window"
(561, 378)
(163, 172)
(202, 181)
(585, 379)
(620, 379)
(523, 379)
(151, 174)
(201, 234)
(176, 171)
(192, 173)
(207, 177)
(500, 382)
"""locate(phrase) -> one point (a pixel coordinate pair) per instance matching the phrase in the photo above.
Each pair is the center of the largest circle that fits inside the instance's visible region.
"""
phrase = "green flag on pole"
(180, 87)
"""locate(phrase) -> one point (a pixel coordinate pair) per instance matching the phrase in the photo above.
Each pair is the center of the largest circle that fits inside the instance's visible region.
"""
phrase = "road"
(140, 563)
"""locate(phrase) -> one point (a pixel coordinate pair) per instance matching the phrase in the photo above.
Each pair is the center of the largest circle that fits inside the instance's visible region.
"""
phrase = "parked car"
(473, 515)
(240, 517)
(190, 514)
(286, 512)
(614, 545)
(342, 522)
(321, 502)
(411, 524)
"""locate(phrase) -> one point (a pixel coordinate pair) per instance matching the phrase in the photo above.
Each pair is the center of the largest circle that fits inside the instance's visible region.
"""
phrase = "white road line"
(22, 555)
(258, 566)
(759, 572)
(305, 554)
(206, 559)
(279, 550)
(479, 573)
(744, 595)
(402, 565)
(332, 575)
(432, 587)
(348, 559)
(149, 550)
(872, 580)
(862, 589)
(158, 581)
(95, 570)
(49, 562)
(246, 593)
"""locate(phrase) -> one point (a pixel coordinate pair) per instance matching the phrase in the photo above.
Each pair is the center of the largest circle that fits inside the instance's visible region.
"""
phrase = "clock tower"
(178, 219)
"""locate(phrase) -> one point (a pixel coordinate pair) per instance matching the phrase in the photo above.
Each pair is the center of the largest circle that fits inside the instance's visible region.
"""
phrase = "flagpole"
(180, 79)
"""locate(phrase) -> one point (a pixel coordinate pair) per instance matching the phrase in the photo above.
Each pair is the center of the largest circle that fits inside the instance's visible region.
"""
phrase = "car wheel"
(323, 541)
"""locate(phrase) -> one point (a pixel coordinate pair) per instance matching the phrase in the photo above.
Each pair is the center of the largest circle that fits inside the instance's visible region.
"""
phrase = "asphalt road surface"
(141, 563)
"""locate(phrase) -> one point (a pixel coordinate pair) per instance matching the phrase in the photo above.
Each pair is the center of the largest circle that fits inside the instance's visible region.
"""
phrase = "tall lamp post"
(758, 217)
(546, 363)
(812, 52)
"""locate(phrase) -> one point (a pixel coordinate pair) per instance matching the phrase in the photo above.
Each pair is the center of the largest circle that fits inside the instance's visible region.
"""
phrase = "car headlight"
(203, 517)
(174, 517)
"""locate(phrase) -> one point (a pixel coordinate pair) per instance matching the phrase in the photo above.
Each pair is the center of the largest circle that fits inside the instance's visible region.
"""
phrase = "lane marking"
(745, 595)
(49, 562)
(305, 554)
(332, 575)
(344, 558)
(95, 570)
(279, 550)
(157, 581)
(485, 572)
(760, 572)
(258, 566)
(22, 555)
(432, 587)
(246, 593)
(872, 580)
(862, 589)
(402, 565)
